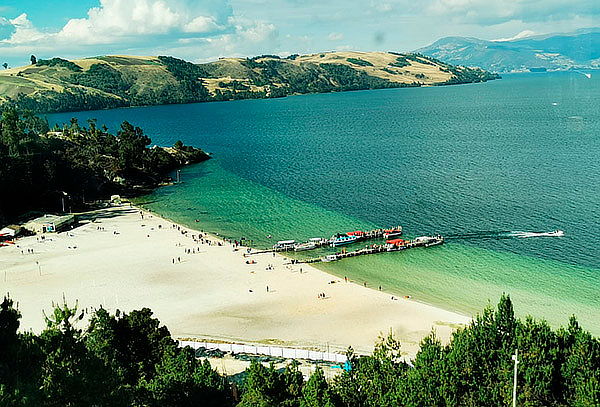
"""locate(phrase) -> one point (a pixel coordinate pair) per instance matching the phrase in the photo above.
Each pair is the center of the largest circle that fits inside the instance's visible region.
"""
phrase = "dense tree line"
(130, 360)
(359, 62)
(105, 78)
(58, 62)
(38, 166)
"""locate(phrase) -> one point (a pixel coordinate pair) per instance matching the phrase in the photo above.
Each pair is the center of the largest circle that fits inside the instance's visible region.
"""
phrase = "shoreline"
(206, 290)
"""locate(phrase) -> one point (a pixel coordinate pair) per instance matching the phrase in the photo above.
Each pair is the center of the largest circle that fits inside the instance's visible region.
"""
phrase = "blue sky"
(204, 30)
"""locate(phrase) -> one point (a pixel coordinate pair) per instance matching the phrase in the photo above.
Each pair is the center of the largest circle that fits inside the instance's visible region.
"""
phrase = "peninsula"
(104, 82)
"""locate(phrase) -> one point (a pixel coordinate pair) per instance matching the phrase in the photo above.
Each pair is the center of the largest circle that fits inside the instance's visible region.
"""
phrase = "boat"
(342, 240)
(284, 245)
(557, 233)
(392, 233)
(428, 241)
(328, 258)
(396, 242)
(305, 246)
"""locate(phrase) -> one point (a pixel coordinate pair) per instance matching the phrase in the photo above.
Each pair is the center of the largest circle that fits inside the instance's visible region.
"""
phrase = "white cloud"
(202, 24)
(184, 28)
(335, 36)
(133, 18)
(22, 30)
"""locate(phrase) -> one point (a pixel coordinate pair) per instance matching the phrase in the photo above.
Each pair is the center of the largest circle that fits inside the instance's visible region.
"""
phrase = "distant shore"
(200, 286)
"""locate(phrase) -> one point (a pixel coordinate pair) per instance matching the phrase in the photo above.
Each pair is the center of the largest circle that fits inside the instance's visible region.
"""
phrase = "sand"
(124, 262)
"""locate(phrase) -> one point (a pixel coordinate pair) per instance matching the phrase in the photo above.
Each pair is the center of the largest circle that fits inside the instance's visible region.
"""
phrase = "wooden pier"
(376, 249)
(360, 235)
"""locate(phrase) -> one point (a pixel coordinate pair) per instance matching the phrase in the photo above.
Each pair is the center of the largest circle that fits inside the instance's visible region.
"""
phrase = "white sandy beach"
(211, 294)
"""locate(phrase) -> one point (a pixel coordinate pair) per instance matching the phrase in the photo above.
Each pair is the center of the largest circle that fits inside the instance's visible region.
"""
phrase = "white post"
(515, 358)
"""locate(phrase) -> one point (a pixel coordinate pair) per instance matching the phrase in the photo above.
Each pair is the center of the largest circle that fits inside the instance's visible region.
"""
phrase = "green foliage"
(316, 392)
(126, 81)
(359, 62)
(36, 168)
(131, 360)
(60, 63)
(347, 78)
(189, 75)
(468, 75)
(103, 77)
(400, 62)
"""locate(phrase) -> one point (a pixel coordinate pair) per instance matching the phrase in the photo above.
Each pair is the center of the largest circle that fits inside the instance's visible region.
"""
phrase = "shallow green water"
(520, 154)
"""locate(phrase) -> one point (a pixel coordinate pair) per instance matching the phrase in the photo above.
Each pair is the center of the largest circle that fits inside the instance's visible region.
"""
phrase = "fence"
(275, 351)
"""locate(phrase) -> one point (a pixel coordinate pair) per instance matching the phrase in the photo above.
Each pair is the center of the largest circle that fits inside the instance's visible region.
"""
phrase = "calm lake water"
(470, 161)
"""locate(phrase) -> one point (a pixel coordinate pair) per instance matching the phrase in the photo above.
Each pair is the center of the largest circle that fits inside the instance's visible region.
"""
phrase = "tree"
(71, 375)
(33, 60)
(316, 391)
(132, 143)
(181, 380)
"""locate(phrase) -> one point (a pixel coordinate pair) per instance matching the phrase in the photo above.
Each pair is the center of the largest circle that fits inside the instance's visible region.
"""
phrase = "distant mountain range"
(105, 82)
(576, 50)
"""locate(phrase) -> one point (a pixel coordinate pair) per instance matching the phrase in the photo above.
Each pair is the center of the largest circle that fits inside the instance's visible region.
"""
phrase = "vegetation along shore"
(104, 82)
(129, 359)
(67, 166)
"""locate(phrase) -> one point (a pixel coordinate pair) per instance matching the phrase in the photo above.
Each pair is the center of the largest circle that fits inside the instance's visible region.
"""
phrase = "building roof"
(56, 219)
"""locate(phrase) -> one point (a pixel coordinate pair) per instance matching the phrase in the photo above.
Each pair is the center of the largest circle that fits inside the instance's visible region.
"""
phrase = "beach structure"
(10, 232)
(50, 223)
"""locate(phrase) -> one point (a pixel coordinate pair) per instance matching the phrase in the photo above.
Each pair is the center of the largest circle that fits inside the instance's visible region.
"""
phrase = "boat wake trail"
(503, 234)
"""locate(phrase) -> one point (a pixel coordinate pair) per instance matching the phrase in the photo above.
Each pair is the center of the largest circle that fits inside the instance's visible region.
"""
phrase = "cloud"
(138, 18)
(499, 11)
(21, 30)
(184, 28)
(335, 37)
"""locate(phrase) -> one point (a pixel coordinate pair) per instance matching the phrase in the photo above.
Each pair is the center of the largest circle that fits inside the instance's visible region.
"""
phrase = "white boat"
(427, 241)
(328, 258)
(284, 245)
(305, 246)
(342, 240)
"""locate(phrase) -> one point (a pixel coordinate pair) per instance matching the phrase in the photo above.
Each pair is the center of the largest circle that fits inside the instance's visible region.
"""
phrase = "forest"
(130, 359)
(40, 166)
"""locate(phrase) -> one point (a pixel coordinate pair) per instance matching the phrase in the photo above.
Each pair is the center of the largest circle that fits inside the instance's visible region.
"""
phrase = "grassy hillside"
(116, 81)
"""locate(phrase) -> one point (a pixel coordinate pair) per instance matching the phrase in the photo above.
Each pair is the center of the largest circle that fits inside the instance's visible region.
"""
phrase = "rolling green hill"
(116, 81)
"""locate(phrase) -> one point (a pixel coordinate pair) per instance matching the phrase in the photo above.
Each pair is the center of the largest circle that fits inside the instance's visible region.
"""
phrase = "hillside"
(116, 81)
(578, 50)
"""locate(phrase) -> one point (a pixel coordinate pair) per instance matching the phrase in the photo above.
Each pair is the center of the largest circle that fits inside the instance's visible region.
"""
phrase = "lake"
(475, 163)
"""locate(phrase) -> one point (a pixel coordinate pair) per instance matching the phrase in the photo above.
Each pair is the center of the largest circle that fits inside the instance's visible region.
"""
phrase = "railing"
(275, 351)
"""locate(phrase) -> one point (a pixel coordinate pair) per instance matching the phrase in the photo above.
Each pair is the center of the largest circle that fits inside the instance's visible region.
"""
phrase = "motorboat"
(342, 240)
(284, 245)
(392, 233)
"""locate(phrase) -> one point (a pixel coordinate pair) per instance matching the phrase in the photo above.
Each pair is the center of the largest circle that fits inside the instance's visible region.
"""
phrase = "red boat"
(394, 232)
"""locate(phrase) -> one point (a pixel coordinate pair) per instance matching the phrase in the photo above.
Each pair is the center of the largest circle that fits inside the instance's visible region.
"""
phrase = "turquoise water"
(520, 154)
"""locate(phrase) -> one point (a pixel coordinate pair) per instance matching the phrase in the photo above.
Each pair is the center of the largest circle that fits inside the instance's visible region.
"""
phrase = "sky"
(205, 30)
